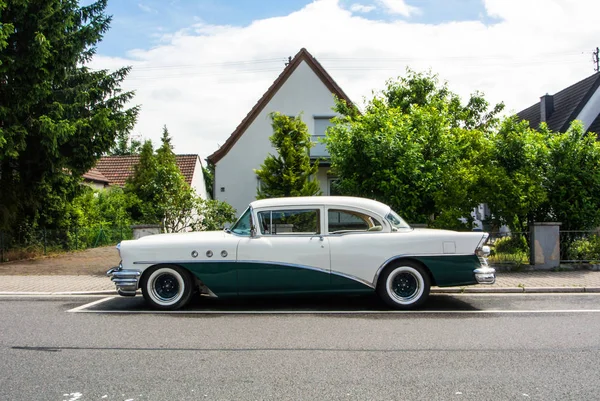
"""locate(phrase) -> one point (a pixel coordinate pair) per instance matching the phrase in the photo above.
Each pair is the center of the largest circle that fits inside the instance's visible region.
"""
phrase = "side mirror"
(252, 231)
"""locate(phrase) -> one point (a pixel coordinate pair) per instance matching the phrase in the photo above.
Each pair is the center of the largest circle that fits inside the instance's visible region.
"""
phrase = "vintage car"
(299, 245)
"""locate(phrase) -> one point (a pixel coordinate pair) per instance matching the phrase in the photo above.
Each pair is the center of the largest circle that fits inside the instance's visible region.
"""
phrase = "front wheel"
(167, 287)
(404, 285)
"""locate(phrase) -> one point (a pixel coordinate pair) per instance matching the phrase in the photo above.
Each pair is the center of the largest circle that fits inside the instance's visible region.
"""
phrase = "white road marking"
(83, 307)
(317, 312)
(9, 294)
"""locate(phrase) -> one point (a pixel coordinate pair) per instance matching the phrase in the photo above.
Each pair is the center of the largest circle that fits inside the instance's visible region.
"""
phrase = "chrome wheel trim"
(410, 273)
(152, 281)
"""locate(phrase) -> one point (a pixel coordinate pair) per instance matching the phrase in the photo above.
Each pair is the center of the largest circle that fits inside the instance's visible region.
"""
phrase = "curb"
(59, 293)
(514, 290)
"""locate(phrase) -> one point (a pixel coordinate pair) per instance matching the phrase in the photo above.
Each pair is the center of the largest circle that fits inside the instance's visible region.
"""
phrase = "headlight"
(119, 249)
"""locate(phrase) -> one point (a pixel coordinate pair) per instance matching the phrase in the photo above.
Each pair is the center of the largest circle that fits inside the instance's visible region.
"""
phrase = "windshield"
(244, 223)
(396, 221)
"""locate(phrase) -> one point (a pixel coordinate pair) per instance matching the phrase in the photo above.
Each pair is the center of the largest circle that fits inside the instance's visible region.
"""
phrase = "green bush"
(587, 249)
(512, 244)
(510, 250)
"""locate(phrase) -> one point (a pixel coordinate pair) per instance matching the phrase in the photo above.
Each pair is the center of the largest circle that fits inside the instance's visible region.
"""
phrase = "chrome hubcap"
(166, 287)
(404, 285)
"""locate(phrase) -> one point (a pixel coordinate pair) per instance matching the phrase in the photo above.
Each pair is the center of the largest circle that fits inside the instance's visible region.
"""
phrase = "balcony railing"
(319, 150)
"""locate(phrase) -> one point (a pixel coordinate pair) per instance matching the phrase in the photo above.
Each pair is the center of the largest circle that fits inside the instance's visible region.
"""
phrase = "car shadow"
(369, 303)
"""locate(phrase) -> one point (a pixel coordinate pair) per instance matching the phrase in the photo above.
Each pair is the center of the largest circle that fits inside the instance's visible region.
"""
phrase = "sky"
(199, 66)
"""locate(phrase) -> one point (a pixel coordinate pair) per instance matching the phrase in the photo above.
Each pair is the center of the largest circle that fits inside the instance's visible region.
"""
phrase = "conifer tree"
(57, 116)
(290, 172)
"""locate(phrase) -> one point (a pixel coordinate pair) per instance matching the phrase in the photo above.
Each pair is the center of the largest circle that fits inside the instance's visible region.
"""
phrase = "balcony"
(319, 150)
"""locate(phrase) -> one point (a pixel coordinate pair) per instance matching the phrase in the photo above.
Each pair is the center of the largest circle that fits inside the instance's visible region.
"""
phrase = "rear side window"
(286, 222)
(342, 221)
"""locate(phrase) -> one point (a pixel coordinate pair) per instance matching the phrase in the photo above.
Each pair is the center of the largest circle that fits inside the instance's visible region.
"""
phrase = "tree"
(175, 199)
(290, 172)
(125, 145)
(540, 176)
(141, 187)
(417, 148)
(57, 117)
(209, 177)
(516, 190)
(159, 194)
(573, 182)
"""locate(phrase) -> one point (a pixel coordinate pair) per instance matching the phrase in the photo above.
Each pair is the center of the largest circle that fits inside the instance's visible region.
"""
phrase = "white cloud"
(147, 9)
(361, 8)
(398, 7)
(203, 80)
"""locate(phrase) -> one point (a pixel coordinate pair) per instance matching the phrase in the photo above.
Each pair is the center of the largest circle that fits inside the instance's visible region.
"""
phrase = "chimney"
(546, 107)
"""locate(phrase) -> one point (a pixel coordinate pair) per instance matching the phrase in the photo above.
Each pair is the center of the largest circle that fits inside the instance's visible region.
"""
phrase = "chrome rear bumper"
(485, 275)
(126, 281)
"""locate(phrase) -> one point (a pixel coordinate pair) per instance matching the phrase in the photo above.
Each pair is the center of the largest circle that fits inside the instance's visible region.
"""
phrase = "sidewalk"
(506, 282)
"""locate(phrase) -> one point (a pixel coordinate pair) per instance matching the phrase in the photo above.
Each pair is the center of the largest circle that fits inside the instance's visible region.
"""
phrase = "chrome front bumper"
(125, 280)
(485, 275)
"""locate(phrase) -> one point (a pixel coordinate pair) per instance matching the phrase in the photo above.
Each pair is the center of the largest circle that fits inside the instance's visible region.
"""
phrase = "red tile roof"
(118, 168)
(302, 55)
(95, 175)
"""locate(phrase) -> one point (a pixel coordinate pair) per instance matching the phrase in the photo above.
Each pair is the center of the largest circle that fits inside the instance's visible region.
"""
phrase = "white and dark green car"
(304, 245)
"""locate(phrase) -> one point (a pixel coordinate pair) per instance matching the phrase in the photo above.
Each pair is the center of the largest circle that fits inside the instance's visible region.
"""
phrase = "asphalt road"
(476, 347)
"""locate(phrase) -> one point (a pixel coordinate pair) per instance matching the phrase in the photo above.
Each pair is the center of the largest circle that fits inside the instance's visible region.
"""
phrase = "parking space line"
(83, 307)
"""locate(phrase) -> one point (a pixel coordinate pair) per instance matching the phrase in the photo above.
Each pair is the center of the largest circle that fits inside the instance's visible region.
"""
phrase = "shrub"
(587, 249)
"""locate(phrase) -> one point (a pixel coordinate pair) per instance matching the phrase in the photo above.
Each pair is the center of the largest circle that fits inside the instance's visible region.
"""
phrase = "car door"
(359, 244)
(288, 254)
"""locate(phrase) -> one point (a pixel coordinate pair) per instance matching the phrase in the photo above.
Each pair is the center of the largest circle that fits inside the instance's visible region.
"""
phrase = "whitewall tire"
(167, 287)
(404, 285)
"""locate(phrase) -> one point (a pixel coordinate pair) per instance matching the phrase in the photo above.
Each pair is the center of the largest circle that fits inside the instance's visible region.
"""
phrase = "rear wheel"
(404, 285)
(167, 287)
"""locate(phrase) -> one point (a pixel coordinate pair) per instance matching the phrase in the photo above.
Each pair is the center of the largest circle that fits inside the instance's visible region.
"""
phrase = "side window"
(244, 223)
(282, 222)
(341, 221)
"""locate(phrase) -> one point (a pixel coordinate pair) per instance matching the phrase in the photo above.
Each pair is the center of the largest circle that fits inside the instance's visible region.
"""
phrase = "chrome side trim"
(264, 262)
(351, 277)
(126, 281)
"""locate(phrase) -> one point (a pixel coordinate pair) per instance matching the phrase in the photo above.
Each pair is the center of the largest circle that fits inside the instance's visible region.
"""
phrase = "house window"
(332, 187)
(286, 222)
(321, 125)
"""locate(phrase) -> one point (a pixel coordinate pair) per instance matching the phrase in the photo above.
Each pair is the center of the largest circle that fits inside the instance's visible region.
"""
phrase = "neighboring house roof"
(563, 107)
(595, 127)
(118, 168)
(95, 175)
(302, 55)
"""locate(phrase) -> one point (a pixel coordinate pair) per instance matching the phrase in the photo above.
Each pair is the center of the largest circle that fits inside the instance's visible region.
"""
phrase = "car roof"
(341, 201)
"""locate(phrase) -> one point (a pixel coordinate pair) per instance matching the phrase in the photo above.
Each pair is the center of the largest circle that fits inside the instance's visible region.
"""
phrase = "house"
(302, 87)
(95, 179)
(114, 171)
(580, 101)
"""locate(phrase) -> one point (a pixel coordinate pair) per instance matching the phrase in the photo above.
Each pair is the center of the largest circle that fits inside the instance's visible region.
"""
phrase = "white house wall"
(198, 182)
(590, 111)
(322, 177)
(235, 179)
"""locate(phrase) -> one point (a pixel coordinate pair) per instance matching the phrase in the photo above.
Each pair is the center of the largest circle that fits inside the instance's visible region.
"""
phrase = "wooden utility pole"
(596, 59)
